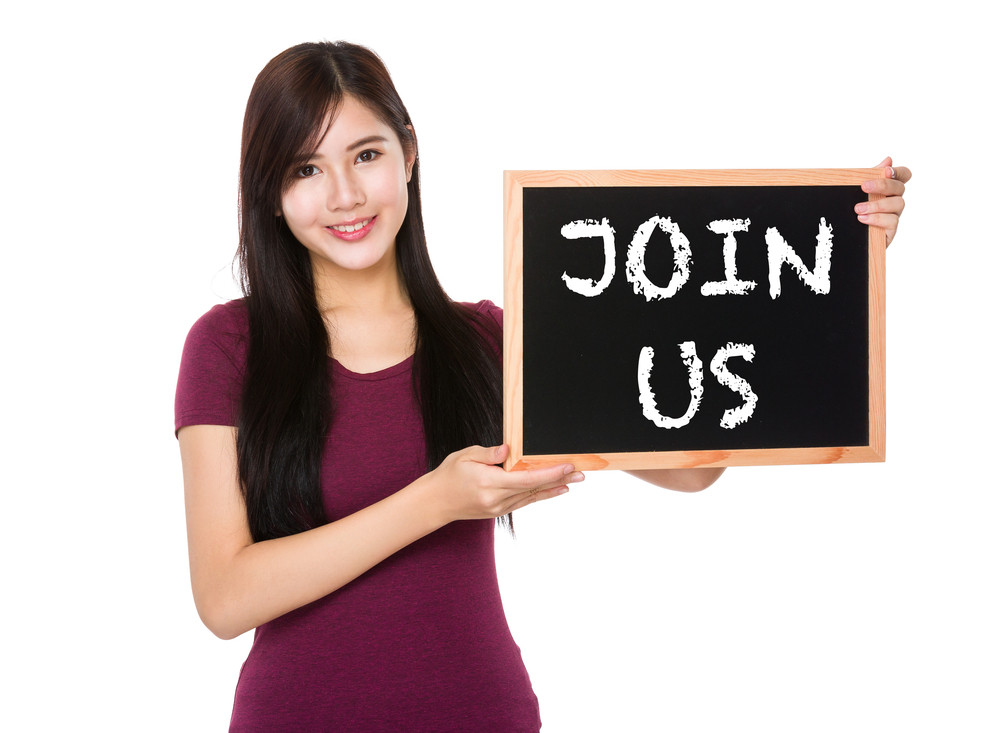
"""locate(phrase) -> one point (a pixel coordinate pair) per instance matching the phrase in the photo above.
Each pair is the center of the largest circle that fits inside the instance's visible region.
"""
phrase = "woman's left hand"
(885, 212)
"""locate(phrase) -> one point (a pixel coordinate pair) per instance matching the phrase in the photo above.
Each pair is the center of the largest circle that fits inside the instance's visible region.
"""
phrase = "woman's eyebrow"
(306, 157)
(367, 141)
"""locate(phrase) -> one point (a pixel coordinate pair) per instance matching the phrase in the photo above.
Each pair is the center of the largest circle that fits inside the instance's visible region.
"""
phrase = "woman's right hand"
(240, 584)
(470, 485)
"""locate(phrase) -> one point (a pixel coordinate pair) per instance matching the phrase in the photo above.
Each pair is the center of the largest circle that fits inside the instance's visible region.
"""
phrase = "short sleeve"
(492, 310)
(211, 373)
(489, 310)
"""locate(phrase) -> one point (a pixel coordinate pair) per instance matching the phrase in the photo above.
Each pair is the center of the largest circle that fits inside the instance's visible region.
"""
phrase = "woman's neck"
(368, 314)
(375, 290)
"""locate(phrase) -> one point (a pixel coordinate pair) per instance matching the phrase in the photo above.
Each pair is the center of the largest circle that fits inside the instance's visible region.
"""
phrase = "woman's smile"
(354, 231)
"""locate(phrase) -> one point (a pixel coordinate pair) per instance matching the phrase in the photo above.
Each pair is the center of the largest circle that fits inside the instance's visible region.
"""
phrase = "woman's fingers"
(544, 491)
(517, 480)
(491, 456)
(539, 477)
(540, 494)
(886, 221)
(531, 497)
(891, 205)
(485, 489)
(896, 173)
(885, 212)
(527, 487)
(569, 478)
(889, 222)
(884, 186)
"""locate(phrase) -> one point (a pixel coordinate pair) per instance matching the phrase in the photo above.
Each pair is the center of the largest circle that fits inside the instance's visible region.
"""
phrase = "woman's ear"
(411, 153)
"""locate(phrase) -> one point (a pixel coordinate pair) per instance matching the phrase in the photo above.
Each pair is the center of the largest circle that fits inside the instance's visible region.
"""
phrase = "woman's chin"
(352, 262)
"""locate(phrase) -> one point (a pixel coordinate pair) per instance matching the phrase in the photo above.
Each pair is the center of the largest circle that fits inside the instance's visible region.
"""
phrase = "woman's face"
(348, 199)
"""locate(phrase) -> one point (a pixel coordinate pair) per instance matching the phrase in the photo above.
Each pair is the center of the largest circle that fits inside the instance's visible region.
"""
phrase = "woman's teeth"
(352, 227)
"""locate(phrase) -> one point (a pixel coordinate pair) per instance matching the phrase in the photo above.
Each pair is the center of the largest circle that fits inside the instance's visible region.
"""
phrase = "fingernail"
(892, 172)
(863, 218)
(868, 185)
(861, 208)
(575, 477)
(567, 469)
(563, 490)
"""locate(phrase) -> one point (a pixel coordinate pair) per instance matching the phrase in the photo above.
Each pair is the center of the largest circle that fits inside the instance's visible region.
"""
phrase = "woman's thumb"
(494, 455)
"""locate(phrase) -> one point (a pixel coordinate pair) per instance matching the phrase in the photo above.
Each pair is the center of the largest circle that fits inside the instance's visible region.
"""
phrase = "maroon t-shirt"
(420, 641)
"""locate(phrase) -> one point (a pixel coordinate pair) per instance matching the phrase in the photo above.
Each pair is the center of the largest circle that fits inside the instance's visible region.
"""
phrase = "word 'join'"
(778, 253)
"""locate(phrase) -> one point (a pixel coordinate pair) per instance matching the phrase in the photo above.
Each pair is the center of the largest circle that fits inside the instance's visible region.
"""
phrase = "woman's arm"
(680, 479)
(239, 584)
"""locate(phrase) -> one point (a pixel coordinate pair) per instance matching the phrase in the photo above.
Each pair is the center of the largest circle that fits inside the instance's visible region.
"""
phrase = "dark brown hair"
(286, 407)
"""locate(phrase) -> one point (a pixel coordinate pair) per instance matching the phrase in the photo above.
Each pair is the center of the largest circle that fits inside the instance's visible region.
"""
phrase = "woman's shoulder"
(487, 319)
(212, 364)
(222, 331)
(486, 308)
(222, 321)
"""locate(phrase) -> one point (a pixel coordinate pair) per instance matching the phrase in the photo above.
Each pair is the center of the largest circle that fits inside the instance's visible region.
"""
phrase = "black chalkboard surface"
(684, 318)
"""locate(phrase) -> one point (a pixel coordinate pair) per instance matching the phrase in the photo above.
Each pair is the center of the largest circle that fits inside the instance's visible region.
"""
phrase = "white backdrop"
(824, 598)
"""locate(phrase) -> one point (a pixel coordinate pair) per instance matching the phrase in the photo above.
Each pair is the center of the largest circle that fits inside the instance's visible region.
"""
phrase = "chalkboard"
(657, 319)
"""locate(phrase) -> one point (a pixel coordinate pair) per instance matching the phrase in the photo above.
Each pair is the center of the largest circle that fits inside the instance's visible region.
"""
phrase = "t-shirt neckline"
(386, 373)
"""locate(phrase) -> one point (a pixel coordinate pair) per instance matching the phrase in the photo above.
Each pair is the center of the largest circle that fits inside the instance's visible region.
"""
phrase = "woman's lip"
(352, 236)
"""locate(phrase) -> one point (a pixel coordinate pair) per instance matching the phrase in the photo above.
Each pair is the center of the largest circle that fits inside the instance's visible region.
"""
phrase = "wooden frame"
(514, 184)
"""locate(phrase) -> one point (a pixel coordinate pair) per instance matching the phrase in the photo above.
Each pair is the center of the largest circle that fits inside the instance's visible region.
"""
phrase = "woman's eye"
(307, 171)
(367, 156)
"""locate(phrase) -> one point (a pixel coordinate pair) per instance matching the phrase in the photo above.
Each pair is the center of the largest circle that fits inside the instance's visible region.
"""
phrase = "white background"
(825, 598)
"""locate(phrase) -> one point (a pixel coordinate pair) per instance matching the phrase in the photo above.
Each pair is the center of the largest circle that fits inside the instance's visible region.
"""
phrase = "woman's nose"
(345, 191)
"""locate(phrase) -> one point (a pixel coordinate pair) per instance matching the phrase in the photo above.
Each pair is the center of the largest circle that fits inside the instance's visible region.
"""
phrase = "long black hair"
(285, 409)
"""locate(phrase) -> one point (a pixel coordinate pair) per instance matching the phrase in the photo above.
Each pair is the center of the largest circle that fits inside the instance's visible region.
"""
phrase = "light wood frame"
(514, 184)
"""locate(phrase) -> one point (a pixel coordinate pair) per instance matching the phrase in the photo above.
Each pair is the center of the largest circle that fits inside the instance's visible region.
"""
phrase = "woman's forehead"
(351, 122)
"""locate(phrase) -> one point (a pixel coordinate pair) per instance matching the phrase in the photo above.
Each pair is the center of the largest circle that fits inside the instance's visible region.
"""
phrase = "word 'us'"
(730, 418)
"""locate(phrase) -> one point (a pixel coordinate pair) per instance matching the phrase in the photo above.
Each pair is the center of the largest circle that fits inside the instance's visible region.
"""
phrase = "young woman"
(332, 426)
